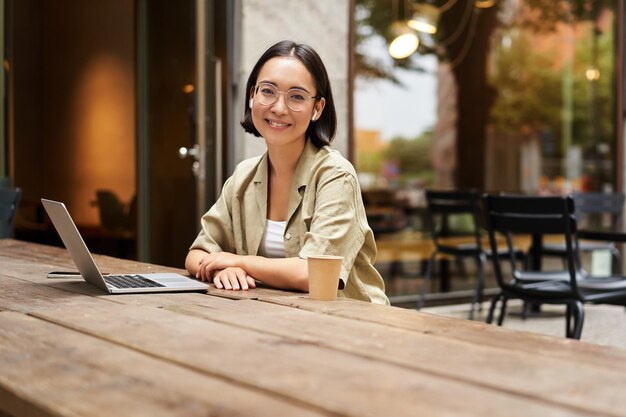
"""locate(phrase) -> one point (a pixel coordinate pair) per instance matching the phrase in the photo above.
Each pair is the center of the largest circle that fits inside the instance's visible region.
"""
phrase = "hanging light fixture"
(425, 18)
(404, 40)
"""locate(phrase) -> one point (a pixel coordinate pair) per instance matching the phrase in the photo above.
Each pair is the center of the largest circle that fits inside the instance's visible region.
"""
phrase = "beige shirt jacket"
(325, 216)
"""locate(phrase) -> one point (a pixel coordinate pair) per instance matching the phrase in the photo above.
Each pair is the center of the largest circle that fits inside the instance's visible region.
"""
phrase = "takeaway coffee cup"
(324, 276)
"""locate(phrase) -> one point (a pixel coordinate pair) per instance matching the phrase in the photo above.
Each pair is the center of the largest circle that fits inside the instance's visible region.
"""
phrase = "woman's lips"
(276, 124)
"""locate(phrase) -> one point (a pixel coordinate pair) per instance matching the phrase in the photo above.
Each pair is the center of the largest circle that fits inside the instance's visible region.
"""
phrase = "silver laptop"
(111, 283)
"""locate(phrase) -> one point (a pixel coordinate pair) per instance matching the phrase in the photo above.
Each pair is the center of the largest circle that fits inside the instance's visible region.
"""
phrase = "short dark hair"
(322, 131)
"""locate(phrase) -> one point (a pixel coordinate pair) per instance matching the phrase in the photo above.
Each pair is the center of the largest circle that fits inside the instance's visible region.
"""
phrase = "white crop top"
(273, 244)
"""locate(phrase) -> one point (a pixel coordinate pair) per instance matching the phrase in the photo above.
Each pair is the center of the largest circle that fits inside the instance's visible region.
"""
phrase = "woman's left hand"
(233, 279)
(215, 262)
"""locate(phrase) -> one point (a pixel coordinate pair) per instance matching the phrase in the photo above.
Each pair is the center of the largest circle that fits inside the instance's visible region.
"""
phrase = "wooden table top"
(67, 349)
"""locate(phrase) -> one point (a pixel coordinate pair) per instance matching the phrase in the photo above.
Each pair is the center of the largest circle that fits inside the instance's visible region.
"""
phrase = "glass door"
(177, 129)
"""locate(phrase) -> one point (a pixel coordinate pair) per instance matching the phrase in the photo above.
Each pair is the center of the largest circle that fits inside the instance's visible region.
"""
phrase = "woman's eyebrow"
(300, 88)
(297, 87)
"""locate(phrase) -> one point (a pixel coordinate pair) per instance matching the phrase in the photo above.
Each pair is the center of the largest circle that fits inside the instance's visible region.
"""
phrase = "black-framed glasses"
(295, 98)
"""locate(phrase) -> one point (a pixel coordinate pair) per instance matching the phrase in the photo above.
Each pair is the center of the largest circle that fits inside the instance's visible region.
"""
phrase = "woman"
(300, 198)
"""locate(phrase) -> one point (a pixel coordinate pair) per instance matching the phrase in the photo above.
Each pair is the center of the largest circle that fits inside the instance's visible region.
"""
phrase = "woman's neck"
(283, 160)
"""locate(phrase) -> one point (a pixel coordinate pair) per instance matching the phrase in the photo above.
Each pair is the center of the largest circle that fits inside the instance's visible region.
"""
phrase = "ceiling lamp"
(425, 18)
(404, 40)
(484, 4)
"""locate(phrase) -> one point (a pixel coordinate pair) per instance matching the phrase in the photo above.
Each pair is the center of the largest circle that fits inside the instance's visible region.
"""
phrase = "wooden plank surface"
(459, 329)
(33, 261)
(341, 358)
(297, 368)
(48, 370)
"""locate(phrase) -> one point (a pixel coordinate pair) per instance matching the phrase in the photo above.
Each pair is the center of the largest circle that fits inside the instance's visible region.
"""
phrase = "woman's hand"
(233, 278)
(214, 262)
(222, 269)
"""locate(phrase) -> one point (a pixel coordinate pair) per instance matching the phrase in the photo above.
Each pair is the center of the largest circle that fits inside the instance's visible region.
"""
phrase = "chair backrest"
(9, 200)
(385, 214)
(444, 207)
(599, 210)
(112, 212)
(510, 215)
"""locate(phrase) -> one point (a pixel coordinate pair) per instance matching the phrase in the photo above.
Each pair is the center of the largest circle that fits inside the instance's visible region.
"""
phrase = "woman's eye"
(267, 91)
(297, 96)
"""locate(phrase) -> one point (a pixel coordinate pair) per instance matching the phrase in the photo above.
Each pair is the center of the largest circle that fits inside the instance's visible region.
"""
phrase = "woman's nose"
(280, 106)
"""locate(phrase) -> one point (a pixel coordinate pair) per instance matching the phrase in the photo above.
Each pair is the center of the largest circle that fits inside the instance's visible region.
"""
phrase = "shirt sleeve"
(216, 233)
(337, 224)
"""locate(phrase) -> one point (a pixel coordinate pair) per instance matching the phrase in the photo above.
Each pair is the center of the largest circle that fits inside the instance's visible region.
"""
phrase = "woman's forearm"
(192, 262)
(287, 273)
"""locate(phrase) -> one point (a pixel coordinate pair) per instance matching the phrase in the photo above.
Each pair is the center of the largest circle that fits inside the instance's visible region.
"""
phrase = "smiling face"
(277, 123)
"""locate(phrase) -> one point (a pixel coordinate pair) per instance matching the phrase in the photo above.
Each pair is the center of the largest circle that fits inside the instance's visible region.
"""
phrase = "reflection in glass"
(555, 100)
(523, 96)
(511, 95)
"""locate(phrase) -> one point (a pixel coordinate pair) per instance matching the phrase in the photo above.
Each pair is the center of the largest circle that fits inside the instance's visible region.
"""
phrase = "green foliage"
(593, 118)
(530, 83)
(369, 161)
(529, 88)
(412, 155)
(373, 18)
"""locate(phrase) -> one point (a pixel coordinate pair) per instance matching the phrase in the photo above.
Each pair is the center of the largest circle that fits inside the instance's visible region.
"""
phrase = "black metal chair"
(442, 206)
(524, 215)
(597, 212)
(9, 200)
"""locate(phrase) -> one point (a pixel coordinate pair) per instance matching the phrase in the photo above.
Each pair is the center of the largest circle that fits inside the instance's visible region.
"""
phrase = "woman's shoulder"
(245, 173)
(331, 159)
(248, 165)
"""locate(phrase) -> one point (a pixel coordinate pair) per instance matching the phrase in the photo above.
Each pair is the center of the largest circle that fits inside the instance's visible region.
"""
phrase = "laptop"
(111, 283)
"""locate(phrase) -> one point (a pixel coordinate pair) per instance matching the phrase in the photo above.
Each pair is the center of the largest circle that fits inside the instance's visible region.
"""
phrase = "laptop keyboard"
(130, 281)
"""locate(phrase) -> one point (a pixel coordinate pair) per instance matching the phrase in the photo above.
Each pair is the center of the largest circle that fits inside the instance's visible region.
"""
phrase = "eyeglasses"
(295, 98)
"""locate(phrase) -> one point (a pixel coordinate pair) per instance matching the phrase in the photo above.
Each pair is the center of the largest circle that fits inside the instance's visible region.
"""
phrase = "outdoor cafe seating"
(456, 230)
(445, 207)
(599, 212)
(514, 215)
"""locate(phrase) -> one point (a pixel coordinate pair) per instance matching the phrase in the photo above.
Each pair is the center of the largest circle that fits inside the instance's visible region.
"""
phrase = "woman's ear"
(251, 102)
(318, 109)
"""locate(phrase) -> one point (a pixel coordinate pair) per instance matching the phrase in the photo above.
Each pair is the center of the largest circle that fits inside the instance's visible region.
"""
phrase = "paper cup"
(324, 276)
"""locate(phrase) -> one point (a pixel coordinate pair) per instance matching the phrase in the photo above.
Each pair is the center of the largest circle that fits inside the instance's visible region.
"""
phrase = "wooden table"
(66, 349)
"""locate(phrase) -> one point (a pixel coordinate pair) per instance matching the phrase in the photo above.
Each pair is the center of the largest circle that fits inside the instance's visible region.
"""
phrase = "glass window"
(496, 95)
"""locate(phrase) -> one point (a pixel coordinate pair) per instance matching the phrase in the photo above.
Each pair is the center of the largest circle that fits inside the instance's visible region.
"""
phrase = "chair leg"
(480, 279)
(502, 311)
(525, 309)
(393, 273)
(617, 262)
(579, 318)
(492, 308)
(427, 276)
(568, 321)
(460, 266)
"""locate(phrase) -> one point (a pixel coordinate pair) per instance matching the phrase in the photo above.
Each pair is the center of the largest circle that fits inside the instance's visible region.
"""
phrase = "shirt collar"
(303, 169)
(305, 165)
